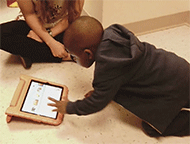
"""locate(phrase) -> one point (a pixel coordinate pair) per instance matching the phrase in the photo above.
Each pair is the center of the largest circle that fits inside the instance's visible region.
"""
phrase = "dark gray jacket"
(151, 83)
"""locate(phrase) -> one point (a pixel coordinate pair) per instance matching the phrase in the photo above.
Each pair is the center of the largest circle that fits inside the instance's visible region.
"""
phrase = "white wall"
(128, 11)
(94, 8)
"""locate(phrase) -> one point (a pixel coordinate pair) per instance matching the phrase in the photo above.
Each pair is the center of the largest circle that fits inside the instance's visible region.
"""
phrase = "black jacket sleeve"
(102, 95)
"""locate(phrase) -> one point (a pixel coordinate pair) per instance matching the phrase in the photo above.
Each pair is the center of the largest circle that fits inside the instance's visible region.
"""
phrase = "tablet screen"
(36, 99)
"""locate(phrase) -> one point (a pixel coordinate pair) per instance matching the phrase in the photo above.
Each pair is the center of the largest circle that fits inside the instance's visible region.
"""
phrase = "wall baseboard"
(160, 23)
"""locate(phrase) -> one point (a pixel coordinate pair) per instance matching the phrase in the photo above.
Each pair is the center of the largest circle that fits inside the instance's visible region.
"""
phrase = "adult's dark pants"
(15, 41)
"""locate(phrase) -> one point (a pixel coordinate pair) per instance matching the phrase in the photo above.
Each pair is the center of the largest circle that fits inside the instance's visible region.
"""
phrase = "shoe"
(26, 62)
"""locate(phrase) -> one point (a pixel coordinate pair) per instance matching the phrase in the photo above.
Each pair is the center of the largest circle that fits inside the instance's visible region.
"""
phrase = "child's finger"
(51, 104)
(55, 110)
(52, 99)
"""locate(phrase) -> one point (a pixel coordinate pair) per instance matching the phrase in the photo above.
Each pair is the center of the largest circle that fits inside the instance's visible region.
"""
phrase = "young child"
(151, 83)
(38, 38)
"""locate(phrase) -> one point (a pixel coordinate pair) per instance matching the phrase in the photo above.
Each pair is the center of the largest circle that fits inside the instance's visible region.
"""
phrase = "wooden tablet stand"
(14, 110)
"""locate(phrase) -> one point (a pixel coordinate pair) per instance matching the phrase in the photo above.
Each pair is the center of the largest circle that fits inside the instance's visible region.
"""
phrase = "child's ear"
(89, 53)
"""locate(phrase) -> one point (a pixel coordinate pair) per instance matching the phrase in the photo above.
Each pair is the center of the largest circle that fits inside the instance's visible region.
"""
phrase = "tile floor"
(113, 125)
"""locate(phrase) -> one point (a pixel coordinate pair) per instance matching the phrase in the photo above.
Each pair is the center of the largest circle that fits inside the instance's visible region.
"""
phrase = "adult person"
(38, 38)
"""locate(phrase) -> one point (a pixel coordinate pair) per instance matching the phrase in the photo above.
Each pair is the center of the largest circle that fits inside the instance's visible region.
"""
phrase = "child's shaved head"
(85, 33)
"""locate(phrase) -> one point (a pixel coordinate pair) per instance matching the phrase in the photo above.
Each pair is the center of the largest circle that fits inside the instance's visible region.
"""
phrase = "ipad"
(36, 99)
(31, 98)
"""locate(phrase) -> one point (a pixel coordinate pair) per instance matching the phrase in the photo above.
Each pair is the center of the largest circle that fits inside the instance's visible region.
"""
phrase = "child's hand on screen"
(60, 106)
